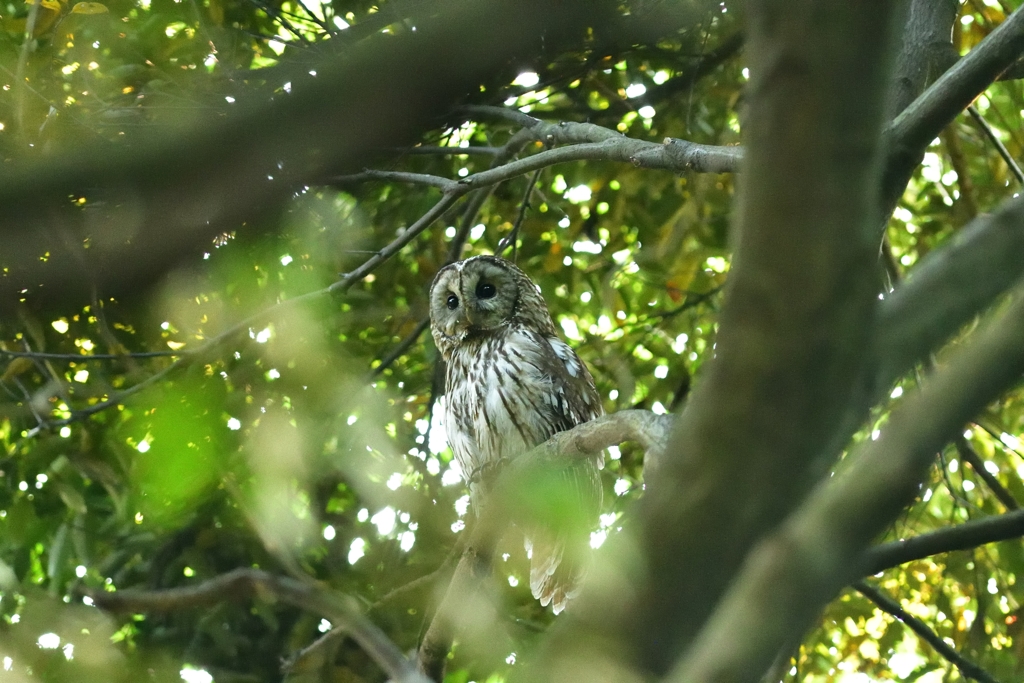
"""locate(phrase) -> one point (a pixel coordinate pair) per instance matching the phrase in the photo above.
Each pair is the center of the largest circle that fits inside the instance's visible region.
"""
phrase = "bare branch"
(511, 239)
(396, 177)
(585, 142)
(244, 584)
(967, 454)
(390, 250)
(943, 292)
(472, 570)
(513, 116)
(681, 155)
(644, 427)
(402, 346)
(961, 537)
(968, 668)
(90, 356)
(997, 143)
(923, 120)
(448, 151)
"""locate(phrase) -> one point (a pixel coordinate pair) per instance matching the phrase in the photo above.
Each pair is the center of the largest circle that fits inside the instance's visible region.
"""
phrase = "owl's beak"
(462, 322)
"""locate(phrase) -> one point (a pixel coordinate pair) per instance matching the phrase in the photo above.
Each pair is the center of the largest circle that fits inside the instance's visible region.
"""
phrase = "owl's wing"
(575, 394)
(559, 556)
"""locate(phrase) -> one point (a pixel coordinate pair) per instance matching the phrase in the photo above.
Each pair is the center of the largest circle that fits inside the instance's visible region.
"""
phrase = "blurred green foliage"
(290, 448)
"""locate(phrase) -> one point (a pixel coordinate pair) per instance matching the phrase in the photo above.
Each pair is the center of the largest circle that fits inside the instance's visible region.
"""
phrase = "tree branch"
(926, 50)
(923, 120)
(968, 455)
(89, 356)
(584, 142)
(944, 292)
(1011, 163)
(789, 577)
(961, 537)
(968, 668)
(585, 440)
(758, 430)
(447, 151)
(472, 570)
(402, 346)
(244, 584)
(926, 116)
(380, 92)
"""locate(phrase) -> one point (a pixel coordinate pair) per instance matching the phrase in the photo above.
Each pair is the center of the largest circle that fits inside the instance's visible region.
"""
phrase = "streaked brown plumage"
(511, 384)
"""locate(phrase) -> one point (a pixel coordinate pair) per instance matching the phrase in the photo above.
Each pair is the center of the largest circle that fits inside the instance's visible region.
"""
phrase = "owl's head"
(481, 295)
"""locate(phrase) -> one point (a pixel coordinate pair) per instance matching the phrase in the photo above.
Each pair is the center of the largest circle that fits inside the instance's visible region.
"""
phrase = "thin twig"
(399, 177)
(279, 15)
(446, 151)
(319, 21)
(26, 47)
(887, 604)
(90, 356)
(969, 455)
(402, 346)
(692, 301)
(511, 239)
(997, 143)
(407, 236)
(241, 584)
(996, 432)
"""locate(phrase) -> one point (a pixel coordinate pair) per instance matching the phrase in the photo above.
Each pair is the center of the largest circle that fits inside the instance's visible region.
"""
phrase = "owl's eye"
(453, 302)
(486, 290)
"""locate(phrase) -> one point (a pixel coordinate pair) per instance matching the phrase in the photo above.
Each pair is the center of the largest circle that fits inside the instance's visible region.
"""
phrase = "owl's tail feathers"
(555, 576)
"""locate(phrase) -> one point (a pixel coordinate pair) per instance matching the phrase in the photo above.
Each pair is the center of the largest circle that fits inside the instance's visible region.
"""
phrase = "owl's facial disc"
(489, 296)
(472, 298)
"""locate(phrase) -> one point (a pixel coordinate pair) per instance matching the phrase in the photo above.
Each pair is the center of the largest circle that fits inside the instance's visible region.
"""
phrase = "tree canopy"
(785, 237)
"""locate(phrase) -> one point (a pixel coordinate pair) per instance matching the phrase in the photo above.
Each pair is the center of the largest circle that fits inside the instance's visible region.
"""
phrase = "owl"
(511, 384)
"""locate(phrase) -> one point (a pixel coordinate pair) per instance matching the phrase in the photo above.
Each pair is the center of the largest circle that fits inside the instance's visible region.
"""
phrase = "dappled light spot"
(526, 79)
(190, 675)
(384, 520)
(49, 641)
(356, 550)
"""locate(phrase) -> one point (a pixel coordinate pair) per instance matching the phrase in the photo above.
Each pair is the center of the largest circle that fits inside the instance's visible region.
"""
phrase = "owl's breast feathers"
(510, 390)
